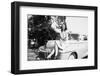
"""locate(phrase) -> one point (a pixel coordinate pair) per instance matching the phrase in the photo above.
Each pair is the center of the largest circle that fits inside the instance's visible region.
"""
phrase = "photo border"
(15, 37)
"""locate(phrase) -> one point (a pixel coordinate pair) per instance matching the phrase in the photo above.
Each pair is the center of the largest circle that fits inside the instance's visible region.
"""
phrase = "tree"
(39, 28)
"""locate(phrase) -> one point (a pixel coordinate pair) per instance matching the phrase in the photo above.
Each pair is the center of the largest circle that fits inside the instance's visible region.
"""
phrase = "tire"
(72, 56)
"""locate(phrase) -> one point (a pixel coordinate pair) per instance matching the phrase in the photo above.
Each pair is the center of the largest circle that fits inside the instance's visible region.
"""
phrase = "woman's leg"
(56, 50)
(52, 52)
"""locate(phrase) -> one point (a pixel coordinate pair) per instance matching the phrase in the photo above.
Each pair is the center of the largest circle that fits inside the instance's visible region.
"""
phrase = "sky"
(77, 24)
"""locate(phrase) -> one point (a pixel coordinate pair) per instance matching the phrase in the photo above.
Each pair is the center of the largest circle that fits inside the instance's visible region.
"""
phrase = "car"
(73, 49)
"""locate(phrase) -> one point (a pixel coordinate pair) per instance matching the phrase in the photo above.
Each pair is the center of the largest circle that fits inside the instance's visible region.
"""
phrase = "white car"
(74, 49)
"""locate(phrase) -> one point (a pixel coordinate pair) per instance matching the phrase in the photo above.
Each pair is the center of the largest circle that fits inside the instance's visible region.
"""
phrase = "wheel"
(72, 56)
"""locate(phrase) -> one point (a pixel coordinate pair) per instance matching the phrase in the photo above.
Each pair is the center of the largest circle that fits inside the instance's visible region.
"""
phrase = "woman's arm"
(54, 26)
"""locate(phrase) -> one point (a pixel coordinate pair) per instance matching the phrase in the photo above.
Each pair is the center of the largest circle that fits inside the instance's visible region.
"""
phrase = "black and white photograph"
(52, 37)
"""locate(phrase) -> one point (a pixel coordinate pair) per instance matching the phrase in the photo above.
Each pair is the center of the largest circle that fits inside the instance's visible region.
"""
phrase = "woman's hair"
(62, 22)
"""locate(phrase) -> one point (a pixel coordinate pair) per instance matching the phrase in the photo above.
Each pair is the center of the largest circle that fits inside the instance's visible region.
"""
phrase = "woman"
(59, 25)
